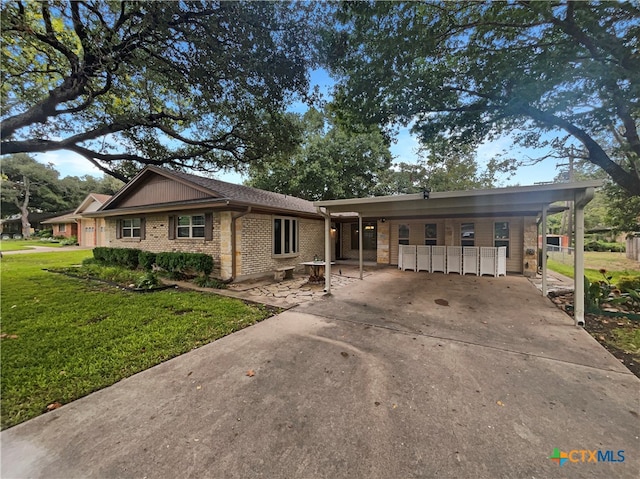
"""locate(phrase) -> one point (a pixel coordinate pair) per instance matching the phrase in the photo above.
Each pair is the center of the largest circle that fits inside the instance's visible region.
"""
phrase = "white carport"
(523, 200)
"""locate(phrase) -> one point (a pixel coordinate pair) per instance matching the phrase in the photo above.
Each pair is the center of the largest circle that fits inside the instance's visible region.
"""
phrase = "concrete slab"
(377, 388)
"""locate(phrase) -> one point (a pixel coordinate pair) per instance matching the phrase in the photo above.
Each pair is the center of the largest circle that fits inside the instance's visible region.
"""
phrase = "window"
(431, 234)
(403, 234)
(501, 234)
(285, 236)
(62, 228)
(131, 228)
(467, 234)
(369, 236)
(190, 226)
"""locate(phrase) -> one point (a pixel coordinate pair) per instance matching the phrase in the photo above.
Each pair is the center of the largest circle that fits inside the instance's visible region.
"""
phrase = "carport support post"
(578, 261)
(544, 250)
(360, 252)
(327, 252)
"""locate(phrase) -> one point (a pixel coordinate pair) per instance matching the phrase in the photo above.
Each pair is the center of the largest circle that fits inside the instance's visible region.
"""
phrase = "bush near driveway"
(63, 338)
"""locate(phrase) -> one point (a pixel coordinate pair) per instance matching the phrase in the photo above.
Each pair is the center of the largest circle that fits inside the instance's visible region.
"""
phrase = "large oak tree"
(331, 162)
(198, 84)
(549, 73)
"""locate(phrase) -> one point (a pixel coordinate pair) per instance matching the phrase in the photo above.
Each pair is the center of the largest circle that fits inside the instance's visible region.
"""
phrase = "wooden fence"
(633, 248)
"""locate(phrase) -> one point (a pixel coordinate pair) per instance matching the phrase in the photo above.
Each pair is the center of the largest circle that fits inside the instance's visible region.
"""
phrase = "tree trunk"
(24, 210)
(26, 226)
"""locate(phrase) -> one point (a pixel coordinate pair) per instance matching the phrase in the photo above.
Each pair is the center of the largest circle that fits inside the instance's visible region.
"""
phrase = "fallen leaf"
(499, 403)
(198, 387)
(53, 405)
(251, 373)
(442, 302)
(344, 355)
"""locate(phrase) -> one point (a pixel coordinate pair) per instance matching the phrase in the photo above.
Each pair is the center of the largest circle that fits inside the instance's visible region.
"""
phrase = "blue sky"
(404, 150)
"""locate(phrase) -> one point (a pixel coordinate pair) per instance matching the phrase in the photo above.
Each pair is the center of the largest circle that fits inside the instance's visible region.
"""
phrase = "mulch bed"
(602, 327)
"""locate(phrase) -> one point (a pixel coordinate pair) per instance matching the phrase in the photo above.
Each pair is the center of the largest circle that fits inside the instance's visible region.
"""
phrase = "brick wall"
(157, 239)
(383, 242)
(255, 245)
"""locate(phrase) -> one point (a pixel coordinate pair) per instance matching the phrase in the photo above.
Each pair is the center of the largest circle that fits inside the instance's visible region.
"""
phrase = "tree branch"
(597, 155)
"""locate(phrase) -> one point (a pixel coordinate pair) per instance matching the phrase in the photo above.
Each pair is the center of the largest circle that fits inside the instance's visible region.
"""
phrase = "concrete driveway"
(376, 381)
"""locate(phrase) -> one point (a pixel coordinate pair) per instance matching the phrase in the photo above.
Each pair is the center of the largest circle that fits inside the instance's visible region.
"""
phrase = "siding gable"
(157, 189)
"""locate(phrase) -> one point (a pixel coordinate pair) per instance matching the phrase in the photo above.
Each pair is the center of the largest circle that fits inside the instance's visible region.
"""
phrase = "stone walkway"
(292, 291)
(555, 282)
(282, 294)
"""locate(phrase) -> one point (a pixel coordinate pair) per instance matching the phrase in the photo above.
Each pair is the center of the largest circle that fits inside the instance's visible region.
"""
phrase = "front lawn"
(21, 244)
(616, 265)
(63, 338)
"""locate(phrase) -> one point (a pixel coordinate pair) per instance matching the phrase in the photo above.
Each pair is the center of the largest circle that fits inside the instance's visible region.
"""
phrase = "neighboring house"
(63, 225)
(248, 232)
(91, 231)
(13, 224)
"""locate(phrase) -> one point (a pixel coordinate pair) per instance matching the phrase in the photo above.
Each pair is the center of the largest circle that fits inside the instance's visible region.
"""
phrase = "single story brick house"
(252, 233)
(62, 225)
(91, 231)
(248, 232)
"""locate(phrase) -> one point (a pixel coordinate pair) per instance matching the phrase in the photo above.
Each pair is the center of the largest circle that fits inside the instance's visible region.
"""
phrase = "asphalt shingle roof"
(246, 194)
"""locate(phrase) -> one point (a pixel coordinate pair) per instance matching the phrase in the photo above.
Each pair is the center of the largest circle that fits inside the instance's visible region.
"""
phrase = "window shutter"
(118, 229)
(208, 226)
(143, 228)
(172, 227)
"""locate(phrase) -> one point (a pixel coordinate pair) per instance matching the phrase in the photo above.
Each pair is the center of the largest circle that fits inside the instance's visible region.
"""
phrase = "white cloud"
(68, 163)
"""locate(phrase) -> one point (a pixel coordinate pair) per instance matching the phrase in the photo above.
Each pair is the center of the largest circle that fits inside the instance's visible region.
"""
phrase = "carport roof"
(525, 200)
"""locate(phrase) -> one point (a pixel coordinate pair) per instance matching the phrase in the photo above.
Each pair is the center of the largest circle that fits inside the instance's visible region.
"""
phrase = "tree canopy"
(439, 171)
(202, 85)
(28, 185)
(331, 163)
(550, 73)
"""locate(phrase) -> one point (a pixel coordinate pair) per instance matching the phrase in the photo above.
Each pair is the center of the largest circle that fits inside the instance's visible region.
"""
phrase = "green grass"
(627, 339)
(615, 264)
(18, 245)
(75, 337)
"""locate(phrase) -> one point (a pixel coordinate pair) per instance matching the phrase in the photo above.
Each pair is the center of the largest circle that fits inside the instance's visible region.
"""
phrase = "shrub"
(148, 280)
(185, 263)
(71, 240)
(101, 254)
(603, 246)
(628, 283)
(146, 260)
(206, 282)
(125, 257)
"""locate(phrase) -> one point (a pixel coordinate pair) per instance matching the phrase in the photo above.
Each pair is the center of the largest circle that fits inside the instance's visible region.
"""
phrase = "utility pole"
(570, 222)
(569, 204)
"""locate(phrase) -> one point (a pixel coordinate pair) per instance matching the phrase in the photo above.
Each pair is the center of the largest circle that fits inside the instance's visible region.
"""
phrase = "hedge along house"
(248, 232)
(502, 217)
